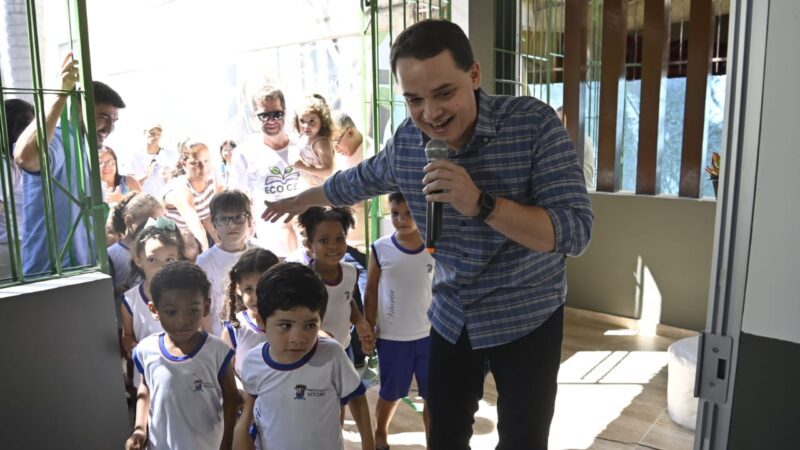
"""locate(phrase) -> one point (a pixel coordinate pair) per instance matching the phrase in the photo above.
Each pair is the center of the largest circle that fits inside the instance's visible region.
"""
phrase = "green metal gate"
(78, 116)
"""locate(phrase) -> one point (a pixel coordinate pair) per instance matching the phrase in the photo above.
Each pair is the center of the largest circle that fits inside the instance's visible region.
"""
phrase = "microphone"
(435, 150)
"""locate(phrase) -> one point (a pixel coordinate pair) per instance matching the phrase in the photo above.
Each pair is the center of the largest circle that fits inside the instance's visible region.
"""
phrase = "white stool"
(681, 368)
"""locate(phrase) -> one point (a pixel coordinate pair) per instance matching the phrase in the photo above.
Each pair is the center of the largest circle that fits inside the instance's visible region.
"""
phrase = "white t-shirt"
(337, 314)
(185, 393)
(144, 324)
(298, 405)
(266, 174)
(244, 338)
(155, 184)
(404, 290)
(216, 263)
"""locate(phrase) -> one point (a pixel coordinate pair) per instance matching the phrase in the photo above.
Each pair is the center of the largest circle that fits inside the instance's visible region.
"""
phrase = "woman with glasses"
(115, 186)
(188, 195)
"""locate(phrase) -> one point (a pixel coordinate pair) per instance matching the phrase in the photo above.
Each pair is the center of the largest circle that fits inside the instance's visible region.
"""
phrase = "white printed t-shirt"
(244, 338)
(297, 405)
(217, 263)
(404, 290)
(266, 174)
(185, 393)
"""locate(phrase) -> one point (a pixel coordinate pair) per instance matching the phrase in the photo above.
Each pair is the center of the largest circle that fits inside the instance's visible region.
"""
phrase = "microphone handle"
(433, 225)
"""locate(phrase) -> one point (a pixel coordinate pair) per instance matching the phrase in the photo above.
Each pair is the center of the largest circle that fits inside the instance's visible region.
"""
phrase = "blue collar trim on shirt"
(144, 296)
(406, 250)
(250, 322)
(174, 358)
(295, 365)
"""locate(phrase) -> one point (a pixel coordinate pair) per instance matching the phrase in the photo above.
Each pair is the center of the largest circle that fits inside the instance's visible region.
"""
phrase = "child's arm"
(138, 439)
(363, 328)
(371, 296)
(323, 150)
(230, 405)
(128, 338)
(241, 434)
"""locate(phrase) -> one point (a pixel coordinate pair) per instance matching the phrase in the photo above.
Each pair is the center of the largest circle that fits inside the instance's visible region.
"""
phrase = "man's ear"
(475, 75)
(153, 310)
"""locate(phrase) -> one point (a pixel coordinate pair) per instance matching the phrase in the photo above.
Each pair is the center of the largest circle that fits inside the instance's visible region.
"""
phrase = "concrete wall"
(61, 384)
(650, 257)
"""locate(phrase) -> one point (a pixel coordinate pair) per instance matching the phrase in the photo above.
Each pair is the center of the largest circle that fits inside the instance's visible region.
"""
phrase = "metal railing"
(82, 187)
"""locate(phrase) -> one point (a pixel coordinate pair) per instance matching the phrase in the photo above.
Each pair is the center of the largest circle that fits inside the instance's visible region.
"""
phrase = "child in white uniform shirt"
(159, 244)
(230, 215)
(326, 231)
(297, 381)
(396, 302)
(244, 330)
(187, 398)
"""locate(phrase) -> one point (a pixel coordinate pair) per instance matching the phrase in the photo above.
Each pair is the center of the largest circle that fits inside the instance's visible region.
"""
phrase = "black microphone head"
(436, 150)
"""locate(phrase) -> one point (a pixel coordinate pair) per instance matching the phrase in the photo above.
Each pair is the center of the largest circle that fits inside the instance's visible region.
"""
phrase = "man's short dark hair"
(179, 275)
(288, 286)
(397, 197)
(107, 96)
(429, 38)
(229, 201)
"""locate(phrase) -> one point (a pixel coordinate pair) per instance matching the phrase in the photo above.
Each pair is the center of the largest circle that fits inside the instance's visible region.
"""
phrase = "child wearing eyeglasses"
(314, 124)
(230, 216)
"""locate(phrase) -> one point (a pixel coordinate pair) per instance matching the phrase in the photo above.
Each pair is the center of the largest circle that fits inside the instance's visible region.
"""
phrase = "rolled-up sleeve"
(559, 187)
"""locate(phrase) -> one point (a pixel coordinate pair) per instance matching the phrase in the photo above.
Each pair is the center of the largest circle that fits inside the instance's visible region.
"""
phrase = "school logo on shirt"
(347, 295)
(302, 392)
(279, 181)
(201, 386)
(430, 268)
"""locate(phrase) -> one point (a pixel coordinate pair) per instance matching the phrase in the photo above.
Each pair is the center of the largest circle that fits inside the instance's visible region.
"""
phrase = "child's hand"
(367, 344)
(365, 333)
(137, 441)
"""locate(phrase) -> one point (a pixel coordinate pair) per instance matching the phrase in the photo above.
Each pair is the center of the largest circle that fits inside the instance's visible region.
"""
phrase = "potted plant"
(713, 171)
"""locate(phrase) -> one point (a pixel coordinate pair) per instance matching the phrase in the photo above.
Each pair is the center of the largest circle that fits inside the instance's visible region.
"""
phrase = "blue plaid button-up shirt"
(496, 288)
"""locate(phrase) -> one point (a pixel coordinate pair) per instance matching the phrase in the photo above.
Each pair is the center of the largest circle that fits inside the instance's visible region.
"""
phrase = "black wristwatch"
(486, 203)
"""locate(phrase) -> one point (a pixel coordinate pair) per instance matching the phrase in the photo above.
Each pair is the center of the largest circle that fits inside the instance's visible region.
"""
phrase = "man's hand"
(455, 187)
(289, 207)
(70, 74)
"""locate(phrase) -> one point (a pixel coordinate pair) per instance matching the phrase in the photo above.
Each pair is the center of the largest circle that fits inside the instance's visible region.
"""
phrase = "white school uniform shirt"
(119, 256)
(337, 314)
(216, 263)
(144, 324)
(244, 338)
(266, 174)
(297, 405)
(137, 163)
(404, 290)
(185, 393)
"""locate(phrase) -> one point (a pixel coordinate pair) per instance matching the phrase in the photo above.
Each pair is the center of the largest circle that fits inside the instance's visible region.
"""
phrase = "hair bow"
(162, 223)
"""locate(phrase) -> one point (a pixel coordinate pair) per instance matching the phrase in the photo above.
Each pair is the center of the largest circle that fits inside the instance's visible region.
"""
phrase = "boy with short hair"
(396, 302)
(230, 214)
(296, 382)
(187, 398)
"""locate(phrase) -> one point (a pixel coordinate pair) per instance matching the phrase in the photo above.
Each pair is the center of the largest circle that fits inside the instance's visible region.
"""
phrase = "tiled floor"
(612, 395)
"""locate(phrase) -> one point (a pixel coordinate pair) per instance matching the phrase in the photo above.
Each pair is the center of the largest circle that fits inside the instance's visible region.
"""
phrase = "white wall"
(772, 296)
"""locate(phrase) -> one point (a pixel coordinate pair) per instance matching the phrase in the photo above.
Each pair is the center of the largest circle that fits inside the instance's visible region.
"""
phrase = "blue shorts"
(399, 361)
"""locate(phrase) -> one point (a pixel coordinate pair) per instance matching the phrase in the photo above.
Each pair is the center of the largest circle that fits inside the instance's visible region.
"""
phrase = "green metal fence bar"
(9, 210)
(97, 211)
(44, 160)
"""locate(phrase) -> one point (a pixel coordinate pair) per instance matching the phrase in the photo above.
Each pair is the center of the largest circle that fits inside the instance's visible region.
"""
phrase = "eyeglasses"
(270, 115)
(223, 221)
(108, 163)
(341, 136)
